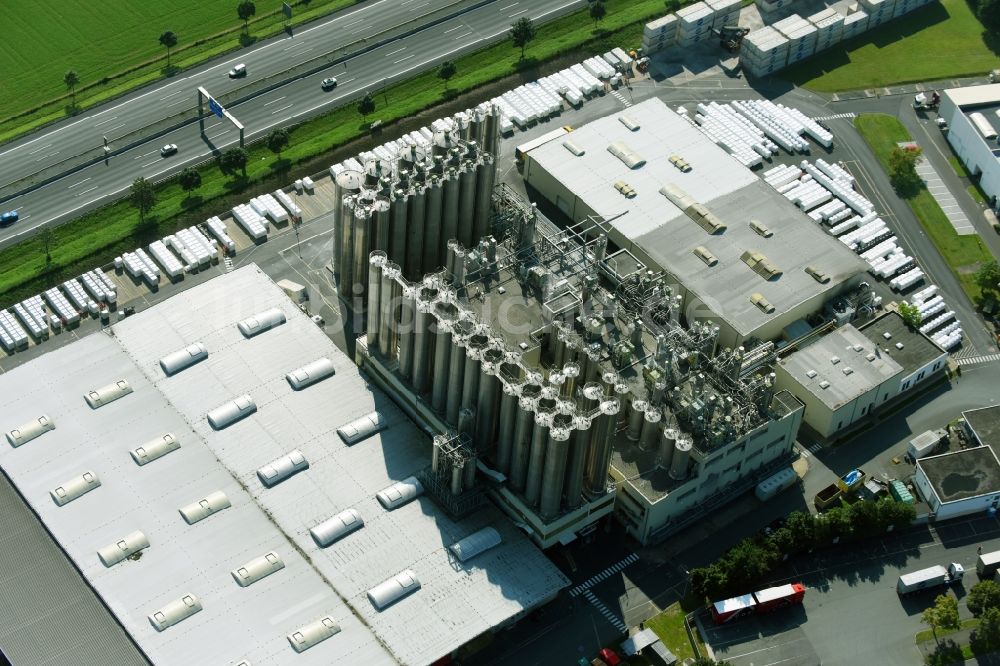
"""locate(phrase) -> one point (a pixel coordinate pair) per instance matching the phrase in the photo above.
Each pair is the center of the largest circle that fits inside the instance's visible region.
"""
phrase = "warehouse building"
(983, 425)
(849, 373)
(959, 483)
(236, 492)
(745, 257)
(972, 118)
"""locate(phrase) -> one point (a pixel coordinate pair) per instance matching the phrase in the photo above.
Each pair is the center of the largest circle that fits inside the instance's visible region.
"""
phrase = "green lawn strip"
(141, 72)
(964, 254)
(939, 41)
(98, 236)
(976, 194)
(928, 635)
(959, 168)
(669, 626)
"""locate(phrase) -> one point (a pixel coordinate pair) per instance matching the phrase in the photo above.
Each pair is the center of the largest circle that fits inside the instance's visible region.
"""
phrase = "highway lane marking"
(516, 13)
(80, 183)
(180, 101)
(457, 27)
(116, 127)
(219, 134)
(348, 25)
(37, 150)
(348, 80)
(419, 6)
(275, 100)
(396, 62)
(463, 36)
(396, 51)
(294, 46)
(503, 9)
(304, 51)
(45, 157)
(282, 109)
(150, 164)
(85, 191)
(177, 92)
(105, 122)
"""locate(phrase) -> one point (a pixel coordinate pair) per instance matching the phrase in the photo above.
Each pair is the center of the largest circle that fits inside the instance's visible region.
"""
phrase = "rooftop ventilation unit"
(760, 228)
(817, 274)
(705, 218)
(284, 467)
(857, 347)
(870, 357)
(629, 157)
(625, 189)
(205, 507)
(257, 569)
(336, 528)
(260, 322)
(229, 413)
(75, 488)
(887, 335)
(154, 449)
(123, 549)
(834, 360)
(106, 394)
(310, 373)
(848, 370)
(389, 592)
(760, 264)
(629, 123)
(362, 428)
(181, 359)
(810, 373)
(761, 302)
(702, 253)
(475, 544)
(573, 148)
(30, 430)
(174, 612)
(899, 345)
(824, 384)
(400, 493)
(313, 633)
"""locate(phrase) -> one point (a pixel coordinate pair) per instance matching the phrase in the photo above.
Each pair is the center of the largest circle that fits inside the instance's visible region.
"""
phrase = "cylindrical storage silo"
(668, 441)
(376, 261)
(446, 315)
(650, 429)
(590, 397)
(536, 458)
(473, 360)
(439, 441)
(359, 256)
(679, 463)
(554, 473)
(347, 183)
(576, 461)
(345, 247)
(485, 176)
(602, 431)
(593, 353)
(571, 371)
(508, 411)
(523, 423)
(456, 480)
(557, 344)
(461, 332)
(449, 224)
(467, 421)
(407, 304)
(491, 131)
(432, 226)
(392, 291)
(467, 203)
(422, 335)
(458, 265)
(476, 127)
(415, 234)
(489, 395)
(469, 473)
(399, 203)
(381, 220)
(636, 415)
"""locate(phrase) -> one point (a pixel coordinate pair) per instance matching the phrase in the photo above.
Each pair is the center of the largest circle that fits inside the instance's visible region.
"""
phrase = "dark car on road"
(8, 218)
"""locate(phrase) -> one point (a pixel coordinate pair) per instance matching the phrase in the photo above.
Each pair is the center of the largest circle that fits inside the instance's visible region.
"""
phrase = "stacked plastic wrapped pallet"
(855, 24)
(31, 312)
(904, 281)
(598, 67)
(267, 206)
(67, 313)
(727, 12)
(694, 24)
(774, 122)
(218, 229)
(879, 11)
(12, 334)
(829, 28)
(734, 133)
(99, 286)
(659, 34)
(764, 52)
(78, 296)
(165, 258)
(255, 226)
(139, 265)
(801, 35)
(819, 134)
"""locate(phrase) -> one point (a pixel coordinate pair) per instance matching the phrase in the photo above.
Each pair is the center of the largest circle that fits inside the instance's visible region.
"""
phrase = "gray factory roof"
(962, 474)
(974, 95)
(985, 423)
(729, 190)
(916, 350)
(456, 602)
(840, 366)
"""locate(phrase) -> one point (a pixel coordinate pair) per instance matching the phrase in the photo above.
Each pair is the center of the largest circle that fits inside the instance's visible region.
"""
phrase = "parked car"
(329, 83)
(168, 150)
(8, 218)
(238, 71)
(609, 657)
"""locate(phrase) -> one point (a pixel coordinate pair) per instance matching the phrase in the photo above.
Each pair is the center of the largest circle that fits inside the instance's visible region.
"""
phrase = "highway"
(88, 188)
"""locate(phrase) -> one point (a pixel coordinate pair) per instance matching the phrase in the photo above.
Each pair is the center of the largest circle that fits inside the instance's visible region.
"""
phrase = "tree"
(983, 596)
(245, 10)
(986, 637)
(277, 140)
(169, 40)
(143, 197)
(903, 171)
(446, 71)
(988, 276)
(46, 237)
(233, 159)
(71, 79)
(910, 314)
(598, 11)
(800, 525)
(521, 33)
(190, 179)
(366, 105)
(707, 661)
(748, 562)
(988, 12)
(942, 615)
(672, 5)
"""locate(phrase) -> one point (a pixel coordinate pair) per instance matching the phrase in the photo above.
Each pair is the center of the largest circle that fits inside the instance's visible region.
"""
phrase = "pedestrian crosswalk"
(605, 611)
(621, 98)
(812, 449)
(229, 264)
(849, 114)
(976, 360)
(597, 578)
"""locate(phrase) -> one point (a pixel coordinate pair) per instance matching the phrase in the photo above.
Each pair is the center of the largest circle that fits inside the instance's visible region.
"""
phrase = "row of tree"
(744, 566)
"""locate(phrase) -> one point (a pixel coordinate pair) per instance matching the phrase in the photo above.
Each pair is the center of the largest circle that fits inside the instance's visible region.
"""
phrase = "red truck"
(763, 601)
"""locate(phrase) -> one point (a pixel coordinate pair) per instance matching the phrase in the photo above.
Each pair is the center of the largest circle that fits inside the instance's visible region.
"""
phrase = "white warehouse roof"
(456, 602)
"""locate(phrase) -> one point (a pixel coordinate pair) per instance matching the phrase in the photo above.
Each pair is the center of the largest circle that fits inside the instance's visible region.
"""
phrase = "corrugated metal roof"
(975, 95)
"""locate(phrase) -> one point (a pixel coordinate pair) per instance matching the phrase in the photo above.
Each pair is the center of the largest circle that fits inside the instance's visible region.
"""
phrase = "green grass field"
(942, 40)
(964, 254)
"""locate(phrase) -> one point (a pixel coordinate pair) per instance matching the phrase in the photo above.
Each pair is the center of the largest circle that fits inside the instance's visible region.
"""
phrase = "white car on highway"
(329, 83)
(168, 150)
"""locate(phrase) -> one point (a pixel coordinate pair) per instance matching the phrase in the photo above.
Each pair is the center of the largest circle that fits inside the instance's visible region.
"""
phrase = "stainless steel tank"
(432, 226)
(668, 441)
(460, 334)
(392, 292)
(361, 235)
(399, 203)
(489, 396)
(637, 414)
(571, 372)
(577, 457)
(449, 225)
(446, 315)
(590, 397)
(650, 429)
(536, 458)
(554, 473)
(485, 176)
(415, 234)
(467, 204)
(381, 220)
(508, 411)
(422, 336)
(598, 460)
(474, 349)
(679, 462)
(407, 304)
(376, 261)
(523, 423)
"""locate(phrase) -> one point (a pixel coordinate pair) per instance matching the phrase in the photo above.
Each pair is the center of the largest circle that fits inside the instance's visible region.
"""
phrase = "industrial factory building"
(745, 257)
(959, 483)
(850, 373)
(236, 492)
(973, 120)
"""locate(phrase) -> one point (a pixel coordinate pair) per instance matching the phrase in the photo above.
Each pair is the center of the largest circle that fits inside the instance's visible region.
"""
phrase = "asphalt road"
(90, 187)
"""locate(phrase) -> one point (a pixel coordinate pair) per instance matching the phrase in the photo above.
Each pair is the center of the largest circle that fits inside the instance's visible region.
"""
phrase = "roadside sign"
(215, 107)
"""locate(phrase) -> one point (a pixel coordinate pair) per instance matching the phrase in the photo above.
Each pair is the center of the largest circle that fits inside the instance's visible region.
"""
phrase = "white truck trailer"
(929, 578)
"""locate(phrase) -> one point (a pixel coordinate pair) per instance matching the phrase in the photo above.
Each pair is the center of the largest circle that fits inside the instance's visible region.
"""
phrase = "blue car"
(8, 218)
